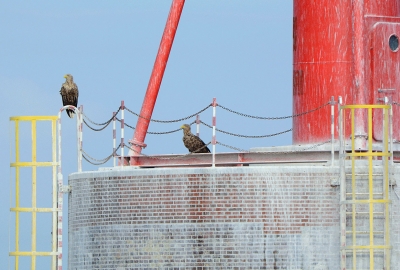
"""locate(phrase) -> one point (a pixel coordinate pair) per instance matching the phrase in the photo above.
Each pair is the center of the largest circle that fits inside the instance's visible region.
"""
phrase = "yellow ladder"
(22, 183)
(364, 194)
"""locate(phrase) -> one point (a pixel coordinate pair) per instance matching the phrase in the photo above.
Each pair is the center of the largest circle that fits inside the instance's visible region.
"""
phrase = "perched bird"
(69, 93)
(192, 142)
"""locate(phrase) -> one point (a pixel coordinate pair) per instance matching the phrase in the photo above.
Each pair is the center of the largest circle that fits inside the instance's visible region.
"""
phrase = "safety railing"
(119, 116)
(360, 191)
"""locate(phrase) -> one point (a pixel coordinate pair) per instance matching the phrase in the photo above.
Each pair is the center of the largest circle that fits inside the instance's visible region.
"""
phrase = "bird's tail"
(70, 113)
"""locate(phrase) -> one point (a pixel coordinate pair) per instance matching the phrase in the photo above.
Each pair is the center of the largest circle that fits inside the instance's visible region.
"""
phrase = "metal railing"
(123, 123)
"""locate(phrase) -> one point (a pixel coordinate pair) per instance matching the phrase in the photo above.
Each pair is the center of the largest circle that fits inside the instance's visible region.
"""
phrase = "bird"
(192, 142)
(69, 93)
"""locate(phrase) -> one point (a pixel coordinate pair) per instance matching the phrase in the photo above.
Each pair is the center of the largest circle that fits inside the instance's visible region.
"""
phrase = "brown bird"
(193, 143)
(69, 93)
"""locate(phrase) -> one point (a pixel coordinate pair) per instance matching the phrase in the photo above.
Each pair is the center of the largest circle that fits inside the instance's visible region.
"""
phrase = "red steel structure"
(155, 79)
(340, 48)
(349, 49)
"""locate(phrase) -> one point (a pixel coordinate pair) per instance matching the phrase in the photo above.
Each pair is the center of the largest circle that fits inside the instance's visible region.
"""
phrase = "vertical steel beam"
(156, 78)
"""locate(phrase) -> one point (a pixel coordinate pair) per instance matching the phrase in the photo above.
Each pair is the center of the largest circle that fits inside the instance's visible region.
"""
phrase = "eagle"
(193, 143)
(69, 93)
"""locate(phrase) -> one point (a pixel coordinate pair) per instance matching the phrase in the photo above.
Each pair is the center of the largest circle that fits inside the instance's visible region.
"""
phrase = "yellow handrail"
(34, 163)
(368, 153)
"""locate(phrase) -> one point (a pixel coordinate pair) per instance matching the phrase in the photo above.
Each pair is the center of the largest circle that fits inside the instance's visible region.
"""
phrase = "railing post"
(60, 198)
(198, 125)
(391, 134)
(214, 122)
(80, 134)
(342, 188)
(122, 161)
(384, 124)
(114, 139)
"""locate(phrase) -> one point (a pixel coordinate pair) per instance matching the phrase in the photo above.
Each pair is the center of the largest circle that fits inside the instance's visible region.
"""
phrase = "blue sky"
(237, 51)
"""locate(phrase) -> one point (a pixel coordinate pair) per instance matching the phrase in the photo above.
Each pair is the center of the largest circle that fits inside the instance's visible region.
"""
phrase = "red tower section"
(344, 48)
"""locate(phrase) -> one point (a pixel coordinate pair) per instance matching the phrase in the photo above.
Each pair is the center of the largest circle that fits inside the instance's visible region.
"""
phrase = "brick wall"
(258, 217)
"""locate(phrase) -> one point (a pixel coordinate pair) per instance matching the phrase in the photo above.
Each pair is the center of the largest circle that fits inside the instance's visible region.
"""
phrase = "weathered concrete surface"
(260, 217)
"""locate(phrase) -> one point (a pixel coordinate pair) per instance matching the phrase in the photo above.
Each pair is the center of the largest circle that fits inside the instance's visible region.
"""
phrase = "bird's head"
(185, 127)
(68, 77)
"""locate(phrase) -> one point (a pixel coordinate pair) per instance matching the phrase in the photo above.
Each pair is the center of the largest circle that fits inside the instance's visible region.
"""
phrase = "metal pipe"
(79, 123)
(371, 190)
(60, 197)
(34, 193)
(385, 149)
(17, 182)
(54, 192)
(156, 77)
(342, 188)
(391, 136)
(360, 131)
(122, 161)
(214, 122)
(353, 187)
(114, 139)
(198, 125)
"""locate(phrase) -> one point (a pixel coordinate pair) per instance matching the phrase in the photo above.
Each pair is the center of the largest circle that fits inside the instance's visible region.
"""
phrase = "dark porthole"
(394, 43)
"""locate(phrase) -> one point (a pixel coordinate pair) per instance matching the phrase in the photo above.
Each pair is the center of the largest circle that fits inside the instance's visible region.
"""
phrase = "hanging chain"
(156, 133)
(273, 118)
(129, 126)
(232, 147)
(169, 121)
(105, 123)
(86, 156)
(247, 136)
(96, 129)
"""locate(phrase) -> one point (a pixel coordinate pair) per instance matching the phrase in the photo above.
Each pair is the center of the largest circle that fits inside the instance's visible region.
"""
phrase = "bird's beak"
(182, 126)
(65, 76)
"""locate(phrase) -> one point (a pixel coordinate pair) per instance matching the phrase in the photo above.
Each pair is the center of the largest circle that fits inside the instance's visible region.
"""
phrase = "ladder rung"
(364, 232)
(364, 213)
(364, 250)
(375, 248)
(366, 201)
(364, 174)
(363, 194)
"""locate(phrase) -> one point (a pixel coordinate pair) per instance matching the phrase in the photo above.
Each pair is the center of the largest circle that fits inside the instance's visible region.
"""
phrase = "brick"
(261, 217)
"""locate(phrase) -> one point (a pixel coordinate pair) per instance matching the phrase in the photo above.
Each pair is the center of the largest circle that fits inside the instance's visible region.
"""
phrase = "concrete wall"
(259, 217)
